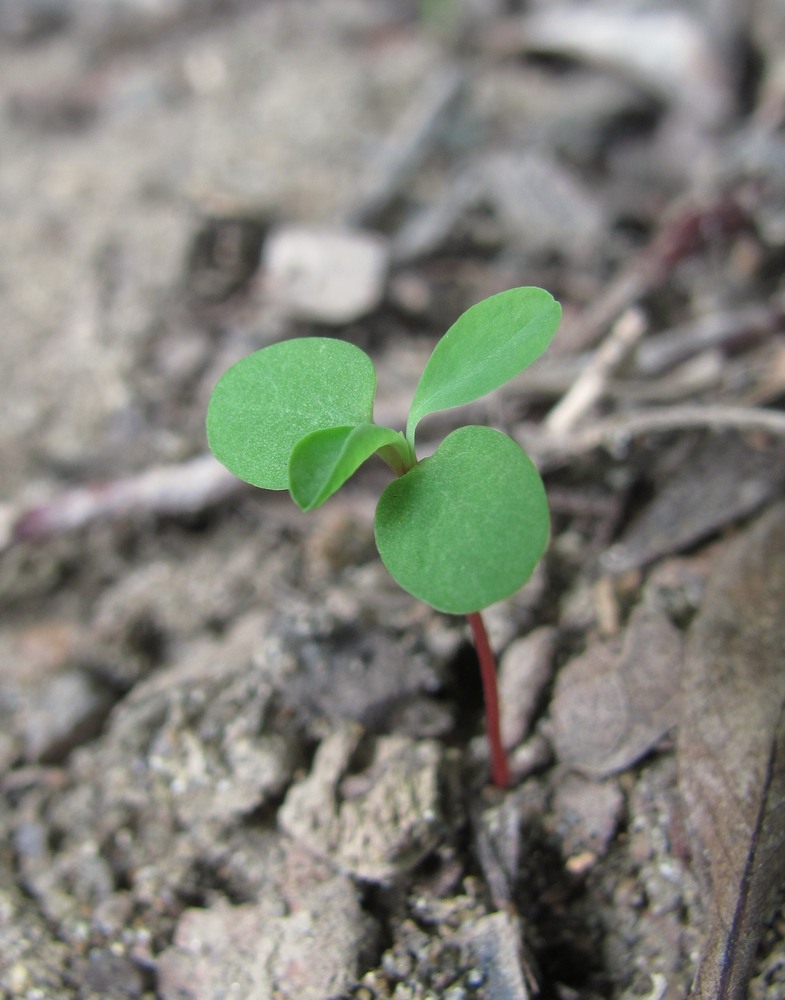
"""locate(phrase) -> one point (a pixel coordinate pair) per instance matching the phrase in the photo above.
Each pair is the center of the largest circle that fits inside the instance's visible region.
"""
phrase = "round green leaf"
(466, 527)
(263, 405)
(323, 460)
(489, 344)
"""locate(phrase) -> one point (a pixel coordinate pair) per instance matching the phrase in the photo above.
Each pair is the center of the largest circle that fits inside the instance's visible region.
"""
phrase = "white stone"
(332, 276)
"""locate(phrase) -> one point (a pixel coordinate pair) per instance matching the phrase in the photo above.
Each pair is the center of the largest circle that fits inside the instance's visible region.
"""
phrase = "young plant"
(461, 529)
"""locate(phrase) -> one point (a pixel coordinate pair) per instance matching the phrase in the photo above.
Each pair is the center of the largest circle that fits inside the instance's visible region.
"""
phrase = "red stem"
(500, 772)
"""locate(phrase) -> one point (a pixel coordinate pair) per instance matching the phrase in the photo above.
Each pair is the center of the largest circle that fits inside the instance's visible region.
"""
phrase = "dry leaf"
(731, 751)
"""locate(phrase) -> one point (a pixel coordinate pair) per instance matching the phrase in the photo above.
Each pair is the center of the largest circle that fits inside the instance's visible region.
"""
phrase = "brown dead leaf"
(731, 751)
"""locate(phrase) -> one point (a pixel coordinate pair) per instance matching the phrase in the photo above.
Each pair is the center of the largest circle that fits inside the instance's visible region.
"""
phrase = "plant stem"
(500, 772)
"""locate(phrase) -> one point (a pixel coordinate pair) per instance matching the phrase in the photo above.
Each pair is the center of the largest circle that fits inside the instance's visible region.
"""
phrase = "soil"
(235, 759)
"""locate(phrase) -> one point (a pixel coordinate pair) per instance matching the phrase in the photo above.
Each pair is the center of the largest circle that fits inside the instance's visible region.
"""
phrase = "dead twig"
(202, 482)
(590, 385)
(167, 489)
(616, 432)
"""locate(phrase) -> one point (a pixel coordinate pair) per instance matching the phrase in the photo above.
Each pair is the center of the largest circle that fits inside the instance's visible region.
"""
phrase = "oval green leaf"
(323, 460)
(466, 527)
(489, 344)
(263, 405)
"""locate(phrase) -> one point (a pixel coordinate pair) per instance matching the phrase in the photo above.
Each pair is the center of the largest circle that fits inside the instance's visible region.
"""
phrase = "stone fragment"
(533, 755)
(493, 945)
(612, 705)
(588, 813)
(208, 735)
(68, 711)
(339, 671)
(375, 824)
(309, 954)
(110, 975)
(328, 276)
(47, 706)
(525, 669)
(34, 960)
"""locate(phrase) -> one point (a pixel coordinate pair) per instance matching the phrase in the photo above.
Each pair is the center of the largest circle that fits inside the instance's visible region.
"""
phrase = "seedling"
(461, 529)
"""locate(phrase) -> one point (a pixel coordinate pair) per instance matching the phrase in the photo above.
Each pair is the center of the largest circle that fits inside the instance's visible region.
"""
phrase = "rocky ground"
(235, 759)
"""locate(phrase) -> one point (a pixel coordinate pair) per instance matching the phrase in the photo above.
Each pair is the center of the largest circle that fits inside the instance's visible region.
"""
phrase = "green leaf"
(489, 344)
(323, 460)
(263, 405)
(466, 527)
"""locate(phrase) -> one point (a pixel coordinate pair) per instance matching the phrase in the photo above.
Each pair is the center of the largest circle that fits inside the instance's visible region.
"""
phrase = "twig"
(167, 489)
(591, 383)
(202, 482)
(615, 433)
